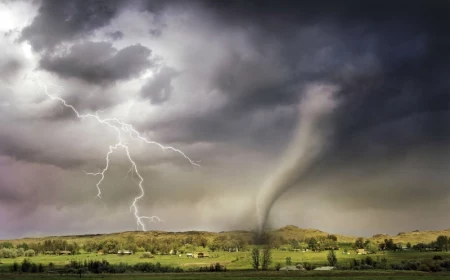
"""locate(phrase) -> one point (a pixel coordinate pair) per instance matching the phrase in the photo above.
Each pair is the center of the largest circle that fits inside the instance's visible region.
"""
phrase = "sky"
(232, 84)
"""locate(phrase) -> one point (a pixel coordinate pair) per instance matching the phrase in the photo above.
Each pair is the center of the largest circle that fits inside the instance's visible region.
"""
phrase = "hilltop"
(287, 233)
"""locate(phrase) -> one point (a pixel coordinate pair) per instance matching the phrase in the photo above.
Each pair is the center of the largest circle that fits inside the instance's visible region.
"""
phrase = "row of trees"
(30, 249)
(261, 258)
(176, 243)
(373, 247)
(14, 253)
(442, 243)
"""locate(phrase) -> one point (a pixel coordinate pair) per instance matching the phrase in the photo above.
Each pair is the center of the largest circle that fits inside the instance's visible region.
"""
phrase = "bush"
(26, 265)
(29, 253)
(332, 260)
(15, 267)
(288, 261)
(20, 252)
(424, 267)
(308, 266)
(147, 255)
(277, 266)
(8, 253)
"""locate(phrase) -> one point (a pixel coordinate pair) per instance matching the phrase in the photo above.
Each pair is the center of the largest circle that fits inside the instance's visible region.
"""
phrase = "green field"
(232, 261)
(238, 264)
(243, 275)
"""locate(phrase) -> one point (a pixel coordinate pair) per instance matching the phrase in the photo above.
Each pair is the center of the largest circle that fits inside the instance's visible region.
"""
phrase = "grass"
(243, 275)
(233, 261)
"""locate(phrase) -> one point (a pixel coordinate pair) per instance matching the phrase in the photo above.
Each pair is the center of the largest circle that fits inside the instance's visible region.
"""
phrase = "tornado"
(308, 143)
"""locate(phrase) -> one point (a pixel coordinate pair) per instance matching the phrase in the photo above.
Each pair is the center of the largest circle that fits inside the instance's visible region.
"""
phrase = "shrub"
(20, 252)
(8, 253)
(278, 266)
(26, 265)
(29, 253)
(147, 255)
(288, 261)
(308, 266)
(15, 267)
(332, 260)
(424, 267)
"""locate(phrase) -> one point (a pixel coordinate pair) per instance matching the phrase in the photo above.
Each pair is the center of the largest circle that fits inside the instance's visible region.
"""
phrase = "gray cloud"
(116, 35)
(159, 88)
(61, 21)
(99, 62)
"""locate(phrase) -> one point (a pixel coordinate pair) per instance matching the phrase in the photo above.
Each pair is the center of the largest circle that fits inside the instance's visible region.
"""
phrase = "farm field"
(244, 275)
(232, 261)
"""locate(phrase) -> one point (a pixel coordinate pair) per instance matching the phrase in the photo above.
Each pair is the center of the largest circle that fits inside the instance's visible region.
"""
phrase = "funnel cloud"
(308, 142)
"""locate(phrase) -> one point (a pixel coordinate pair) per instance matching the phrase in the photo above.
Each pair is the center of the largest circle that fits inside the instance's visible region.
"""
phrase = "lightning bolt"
(120, 127)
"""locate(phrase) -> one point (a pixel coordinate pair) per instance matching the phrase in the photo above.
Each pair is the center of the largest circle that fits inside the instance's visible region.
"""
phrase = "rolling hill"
(288, 232)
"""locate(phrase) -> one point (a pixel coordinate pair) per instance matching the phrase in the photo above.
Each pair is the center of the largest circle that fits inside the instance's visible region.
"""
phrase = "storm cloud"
(222, 80)
(99, 62)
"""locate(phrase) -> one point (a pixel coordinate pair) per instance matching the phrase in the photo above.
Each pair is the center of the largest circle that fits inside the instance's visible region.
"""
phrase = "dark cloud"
(99, 62)
(155, 32)
(379, 54)
(9, 68)
(61, 21)
(159, 88)
(116, 35)
(241, 69)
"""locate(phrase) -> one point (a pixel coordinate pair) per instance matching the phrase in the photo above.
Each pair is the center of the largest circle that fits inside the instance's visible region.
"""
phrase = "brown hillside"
(287, 232)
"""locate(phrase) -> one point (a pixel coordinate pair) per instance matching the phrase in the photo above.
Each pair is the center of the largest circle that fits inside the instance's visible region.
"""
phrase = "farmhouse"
(125, 252)
(361, 252)
(189, 255)
(199, 255)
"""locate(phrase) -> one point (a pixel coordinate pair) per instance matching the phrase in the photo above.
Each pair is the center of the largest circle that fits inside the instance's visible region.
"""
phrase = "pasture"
(244, 275)
(232, 260)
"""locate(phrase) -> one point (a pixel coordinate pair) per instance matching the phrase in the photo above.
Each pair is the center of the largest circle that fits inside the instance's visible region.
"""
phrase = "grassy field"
(243, 275)
(233, 261)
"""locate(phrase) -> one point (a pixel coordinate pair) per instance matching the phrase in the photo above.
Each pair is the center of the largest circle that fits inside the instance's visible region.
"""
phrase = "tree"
(359, 243)
(20, 252)
(266, 259)
(312, 244)
(29, 253)
(294, 244)
(442, 243)
(24, 246)
(255, 258)
(332, 259)
(288, 261)
(332, 237)
(390, 245)
(7, 245)
(371, 247)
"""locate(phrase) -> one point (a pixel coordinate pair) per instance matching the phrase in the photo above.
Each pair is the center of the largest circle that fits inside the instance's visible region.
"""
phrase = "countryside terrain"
(232, 252)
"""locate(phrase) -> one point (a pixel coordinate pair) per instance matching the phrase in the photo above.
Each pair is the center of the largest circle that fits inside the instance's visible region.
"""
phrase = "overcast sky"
(222, 81)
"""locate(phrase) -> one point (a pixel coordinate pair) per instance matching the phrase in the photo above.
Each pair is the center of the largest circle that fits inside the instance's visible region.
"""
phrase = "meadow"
(232, 260)
(238, 264)
(244, 275)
